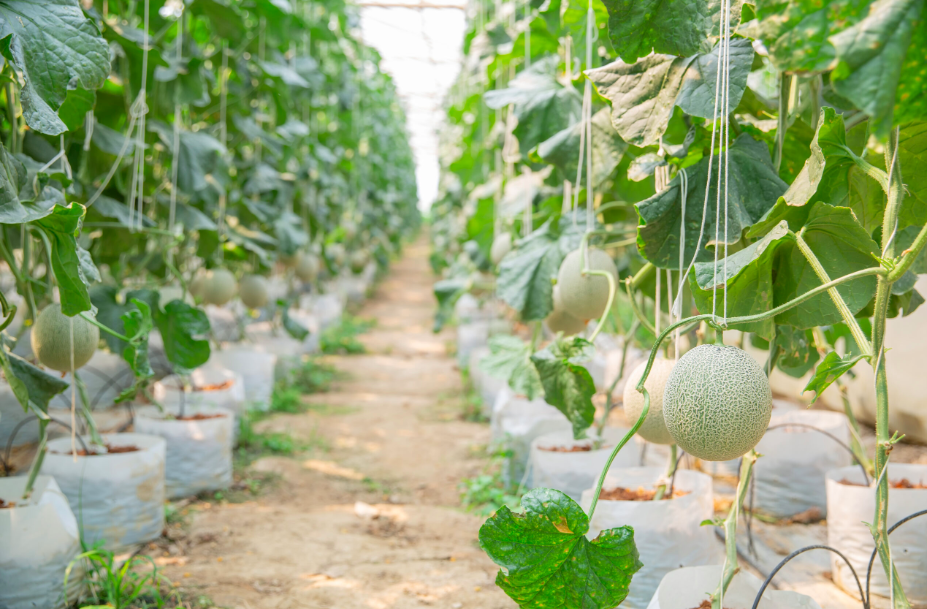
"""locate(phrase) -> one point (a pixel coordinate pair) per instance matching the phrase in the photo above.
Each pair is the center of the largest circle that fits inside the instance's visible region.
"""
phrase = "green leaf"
(674, 27)
(226, 19)
(138, 325)
(525, 274)
(697, 94)
(73, 271)
(753, 188)
(28, 382)
(182, 327)
(19, 202)
(510, 360)
(799, 354)
(57, 49)
(608, 148)
(772, 271)
(642, 94)
(75, 107)
(447, 292)
(197, 157)
(829, 370)
(912, 156)
(568, 386)
(547, 561)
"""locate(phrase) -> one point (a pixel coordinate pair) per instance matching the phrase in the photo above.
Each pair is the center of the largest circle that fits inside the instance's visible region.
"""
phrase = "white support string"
(676, 307)
(139, 112)
(656, 305)
(175, 159)
(669, 294)
(587, 116)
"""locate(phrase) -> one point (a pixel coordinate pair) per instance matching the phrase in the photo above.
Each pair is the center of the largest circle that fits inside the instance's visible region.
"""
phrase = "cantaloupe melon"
(220, 287)
(717, 403)
(336, 253)
(359, 260)
(561, 321)
(197, 286)
(307, 267)
(501, 246)
(585, 297)
(253, 291)
(654, 428)
(51, 339)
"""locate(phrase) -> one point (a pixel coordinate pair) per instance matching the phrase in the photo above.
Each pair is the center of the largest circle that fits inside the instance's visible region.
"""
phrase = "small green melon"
(501, 246)
(220, 287)
(253, 291)
(653, 429)
(336, 253)
(197, 285)
(51, 339)
(717, 403)
(359, 260)
(585, 297)
(288, 261)
(561, 321)
(307, 267)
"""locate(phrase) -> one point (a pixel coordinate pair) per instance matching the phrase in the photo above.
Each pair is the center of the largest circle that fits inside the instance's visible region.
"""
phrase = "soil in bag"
(5, 505)
(580, 448)
(639, 494)
(110, 450)
(903, 483)
(199, 417)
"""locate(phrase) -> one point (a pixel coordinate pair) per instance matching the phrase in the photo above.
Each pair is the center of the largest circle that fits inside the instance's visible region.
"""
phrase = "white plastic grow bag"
(210, 385)
(38, 540)
(289, 351)
(515, 423)
(471, 336)
(668, 533)
(849, 506)
(116, 497)
(104, 376)
(224, 323)
(687, 588)
(789, 477)
(309, 321)
(256, 368)
(575, 472)
(13, 419)
(327, 308)
(199, 451)
(486, 385)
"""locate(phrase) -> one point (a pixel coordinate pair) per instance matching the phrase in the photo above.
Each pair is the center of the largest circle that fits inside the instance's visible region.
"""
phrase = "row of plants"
(671, 173)
(193, 190)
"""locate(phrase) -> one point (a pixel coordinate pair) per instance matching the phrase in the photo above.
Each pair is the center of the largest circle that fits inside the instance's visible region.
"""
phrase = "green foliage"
(567, 384)
(547, 561)
(487, 492)
(510, 360)
(341, 338)
(134, 583)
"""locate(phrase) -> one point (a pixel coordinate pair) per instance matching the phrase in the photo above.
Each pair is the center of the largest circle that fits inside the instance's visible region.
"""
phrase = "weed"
(123, 586)
(312, 376)
(487, 492)
(341, 339)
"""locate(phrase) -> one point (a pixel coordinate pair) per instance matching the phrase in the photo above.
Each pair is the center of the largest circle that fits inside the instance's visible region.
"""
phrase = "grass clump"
(133, 584)
(342, 338)
(487, 492)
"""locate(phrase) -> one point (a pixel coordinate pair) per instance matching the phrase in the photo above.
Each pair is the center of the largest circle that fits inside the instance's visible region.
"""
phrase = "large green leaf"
(73, 268)
(568, 386)
(57, 49)
(28, 382)
(772, 271)
(912, 157)
(197, 156)
(674, 27)
(753, 188)
(875, 50)
(138, 325)
(546, 560)
(510, 360)
(562, 149)
(19, 203)
(525, 273)
(183, 328)
(698, 92)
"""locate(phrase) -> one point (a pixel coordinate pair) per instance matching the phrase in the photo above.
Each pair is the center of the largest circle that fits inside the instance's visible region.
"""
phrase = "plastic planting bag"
(38, 540)
(117, 497)
(556, 463)
(851, 505)
(104, 376)
(210, 385)
(515, 423)
(687, 588)
(486, 385)
(256, 368)
(668, 533)
(471, 336)
(789, 477)
(199, 448)
(289, 351)
(225, 324)
(326, 308)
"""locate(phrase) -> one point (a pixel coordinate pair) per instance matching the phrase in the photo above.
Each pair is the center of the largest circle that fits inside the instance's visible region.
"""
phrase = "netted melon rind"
(654, 428)
(585, 297)
(717, 403)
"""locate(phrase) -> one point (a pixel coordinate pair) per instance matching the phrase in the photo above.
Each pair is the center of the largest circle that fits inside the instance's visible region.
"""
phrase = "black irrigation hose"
(832, 437)
(785, 561)
(875, 550)
(9, 444)
(76, 435)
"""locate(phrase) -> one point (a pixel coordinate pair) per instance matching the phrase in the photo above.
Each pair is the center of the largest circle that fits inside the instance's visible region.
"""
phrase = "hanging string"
(528, 34)
(724, 73)
(669, 294)
(73, 394)
(726, 117)
(224, 96)
(139, 113)
(587, 116)
(676, 306)
(656, 306)
(175, 161)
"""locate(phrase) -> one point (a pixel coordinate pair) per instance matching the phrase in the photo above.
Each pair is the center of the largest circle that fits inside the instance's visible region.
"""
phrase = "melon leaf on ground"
(510, 360)
(568, 386)
(547, 561)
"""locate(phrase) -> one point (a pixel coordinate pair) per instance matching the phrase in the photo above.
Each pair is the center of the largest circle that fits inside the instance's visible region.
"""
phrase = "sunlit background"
(420, 43)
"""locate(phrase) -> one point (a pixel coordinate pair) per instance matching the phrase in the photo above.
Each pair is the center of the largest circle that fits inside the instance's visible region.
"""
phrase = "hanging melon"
(51, 339)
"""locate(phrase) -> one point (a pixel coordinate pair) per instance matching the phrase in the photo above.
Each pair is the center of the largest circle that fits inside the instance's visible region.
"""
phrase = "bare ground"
(390, 435)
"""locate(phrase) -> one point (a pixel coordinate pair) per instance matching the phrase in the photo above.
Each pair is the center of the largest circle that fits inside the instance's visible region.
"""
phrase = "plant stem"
(38, 459)
(670, 470)
(642, 275)
(641, 318)
(106, 329)
(608, 305)
(879, 526)
(785, 84)
(730, 529)
(847, 315)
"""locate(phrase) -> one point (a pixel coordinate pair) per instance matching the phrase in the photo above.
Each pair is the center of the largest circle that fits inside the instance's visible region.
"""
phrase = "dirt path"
(388, 434)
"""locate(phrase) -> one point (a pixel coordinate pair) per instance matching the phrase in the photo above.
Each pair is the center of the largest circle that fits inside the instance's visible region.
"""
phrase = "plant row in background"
(191, 193)
(671, 173)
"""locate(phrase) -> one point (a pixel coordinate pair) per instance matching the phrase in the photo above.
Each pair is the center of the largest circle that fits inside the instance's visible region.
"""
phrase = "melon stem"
(730, 529)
